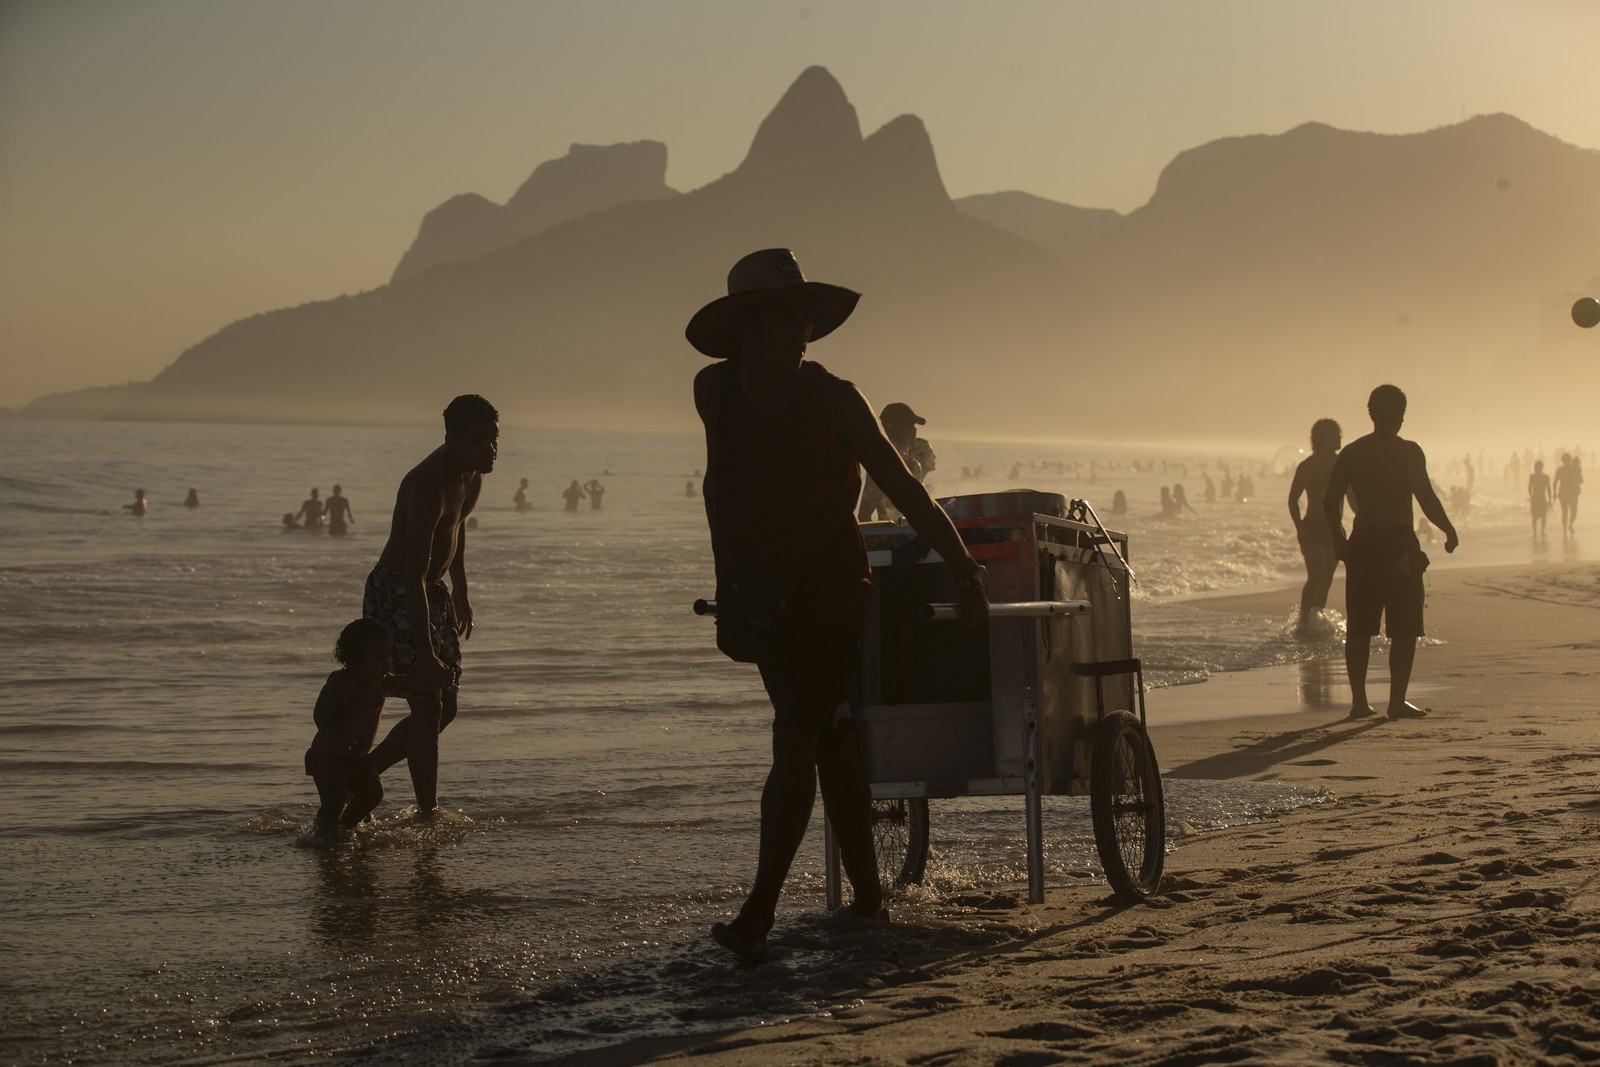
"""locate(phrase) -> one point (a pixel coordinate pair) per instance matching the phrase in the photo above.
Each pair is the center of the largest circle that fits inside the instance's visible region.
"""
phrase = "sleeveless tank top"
(782, 493)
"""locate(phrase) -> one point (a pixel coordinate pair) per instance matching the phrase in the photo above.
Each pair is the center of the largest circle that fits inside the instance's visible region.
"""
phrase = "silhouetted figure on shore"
(192, 500)
(1539, 499)
(688, 490)
(595, 491)
(1119, 503)
(1169, 506)
(1210, 493)
(1311, 529)
(1181, 499)
(312, 508)
(338, 513)
(140, 505)
(1383, 563)
(407, 593)
(783, 438)
(520, 499)
(572, 495)
(1567, 484)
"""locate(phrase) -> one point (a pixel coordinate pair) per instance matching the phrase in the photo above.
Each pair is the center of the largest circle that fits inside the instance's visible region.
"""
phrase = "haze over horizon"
(169, 166)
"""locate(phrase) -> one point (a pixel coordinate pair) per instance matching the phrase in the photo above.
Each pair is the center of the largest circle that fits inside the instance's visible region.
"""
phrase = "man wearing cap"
(785, 441)
(900, 426)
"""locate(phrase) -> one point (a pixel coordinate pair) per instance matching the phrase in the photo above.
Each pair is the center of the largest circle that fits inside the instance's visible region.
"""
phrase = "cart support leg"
(831, 875)
(1034, 809)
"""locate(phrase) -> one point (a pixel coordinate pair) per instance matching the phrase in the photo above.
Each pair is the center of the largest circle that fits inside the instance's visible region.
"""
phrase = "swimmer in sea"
(338, 513)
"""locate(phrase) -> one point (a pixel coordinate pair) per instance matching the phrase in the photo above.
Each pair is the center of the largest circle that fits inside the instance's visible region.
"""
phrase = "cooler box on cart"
(943, 710)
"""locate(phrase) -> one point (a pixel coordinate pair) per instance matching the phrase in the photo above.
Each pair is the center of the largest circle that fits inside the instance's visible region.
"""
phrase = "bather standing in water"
(338, 513)
(406, 591)
(1311, 529)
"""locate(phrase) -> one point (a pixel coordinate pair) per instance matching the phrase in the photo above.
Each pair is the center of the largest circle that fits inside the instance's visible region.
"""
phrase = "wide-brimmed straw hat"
(714, 330)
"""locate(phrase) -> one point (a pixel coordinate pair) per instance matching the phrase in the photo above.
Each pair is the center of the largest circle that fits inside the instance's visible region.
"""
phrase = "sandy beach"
(1442, 907)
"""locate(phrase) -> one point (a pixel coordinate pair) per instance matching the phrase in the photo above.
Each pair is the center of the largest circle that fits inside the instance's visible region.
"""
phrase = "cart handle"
(1021, 609)
(705, 607)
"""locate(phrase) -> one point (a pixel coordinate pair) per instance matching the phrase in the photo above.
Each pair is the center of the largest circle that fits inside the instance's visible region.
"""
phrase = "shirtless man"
(338, 512)
(312, 509)
(406, 590)
(1383, 563)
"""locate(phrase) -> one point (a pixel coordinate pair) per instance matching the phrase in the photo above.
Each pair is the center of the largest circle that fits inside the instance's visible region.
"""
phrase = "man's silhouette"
(1383, 561)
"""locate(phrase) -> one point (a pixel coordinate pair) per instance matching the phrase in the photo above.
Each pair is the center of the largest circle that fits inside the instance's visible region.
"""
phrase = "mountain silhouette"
(588, 178)
(1061, 229)
(1269, 280)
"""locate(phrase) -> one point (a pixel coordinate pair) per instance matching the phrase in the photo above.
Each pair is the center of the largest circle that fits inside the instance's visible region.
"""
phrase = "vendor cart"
(1046, 700)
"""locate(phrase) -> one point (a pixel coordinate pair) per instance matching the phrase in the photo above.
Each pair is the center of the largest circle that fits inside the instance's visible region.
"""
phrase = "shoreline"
(1440, 908)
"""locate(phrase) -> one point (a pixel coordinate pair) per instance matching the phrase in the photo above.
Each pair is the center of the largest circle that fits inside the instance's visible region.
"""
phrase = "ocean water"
(162, 902)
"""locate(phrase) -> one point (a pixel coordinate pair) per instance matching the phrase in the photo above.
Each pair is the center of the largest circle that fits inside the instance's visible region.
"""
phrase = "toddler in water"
(347, 715)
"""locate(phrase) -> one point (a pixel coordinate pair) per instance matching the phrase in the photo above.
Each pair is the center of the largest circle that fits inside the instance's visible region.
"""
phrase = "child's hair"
(357, 639)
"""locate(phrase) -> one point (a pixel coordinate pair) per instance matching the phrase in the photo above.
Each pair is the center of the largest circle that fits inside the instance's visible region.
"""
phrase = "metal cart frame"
(1019, 707)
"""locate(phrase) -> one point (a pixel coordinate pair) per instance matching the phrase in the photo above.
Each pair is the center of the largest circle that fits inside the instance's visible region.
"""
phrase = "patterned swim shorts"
(385, 600)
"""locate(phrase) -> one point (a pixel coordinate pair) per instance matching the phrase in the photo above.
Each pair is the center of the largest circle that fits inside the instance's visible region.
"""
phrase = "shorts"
(1383, 579)
(337, 764)
(809, 678)
(385, 601)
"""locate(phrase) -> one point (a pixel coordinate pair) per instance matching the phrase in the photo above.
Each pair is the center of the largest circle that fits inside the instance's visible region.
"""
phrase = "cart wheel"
(900, 839)
(1130, 819)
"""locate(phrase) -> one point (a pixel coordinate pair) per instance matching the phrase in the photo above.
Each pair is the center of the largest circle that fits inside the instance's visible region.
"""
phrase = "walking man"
(1383, 563)
(406, 590)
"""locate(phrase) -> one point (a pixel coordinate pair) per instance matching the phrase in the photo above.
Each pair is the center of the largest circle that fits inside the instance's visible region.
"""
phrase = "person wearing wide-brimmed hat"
(785, 441)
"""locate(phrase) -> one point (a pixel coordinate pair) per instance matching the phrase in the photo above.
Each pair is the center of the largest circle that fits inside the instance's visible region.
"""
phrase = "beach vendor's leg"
(847, 800)
(786, 802)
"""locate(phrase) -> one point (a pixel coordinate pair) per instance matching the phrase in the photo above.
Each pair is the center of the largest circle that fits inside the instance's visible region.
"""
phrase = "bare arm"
(1332, 500)
(1422, 489)
(860, 430)
(424, 508)
(1296, 488)
(458, 564)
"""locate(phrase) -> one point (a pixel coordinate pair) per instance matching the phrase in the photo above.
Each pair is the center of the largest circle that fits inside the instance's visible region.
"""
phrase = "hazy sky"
(168, 166)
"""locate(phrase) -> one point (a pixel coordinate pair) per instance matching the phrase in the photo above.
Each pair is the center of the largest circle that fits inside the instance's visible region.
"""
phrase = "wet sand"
(1443, 908)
